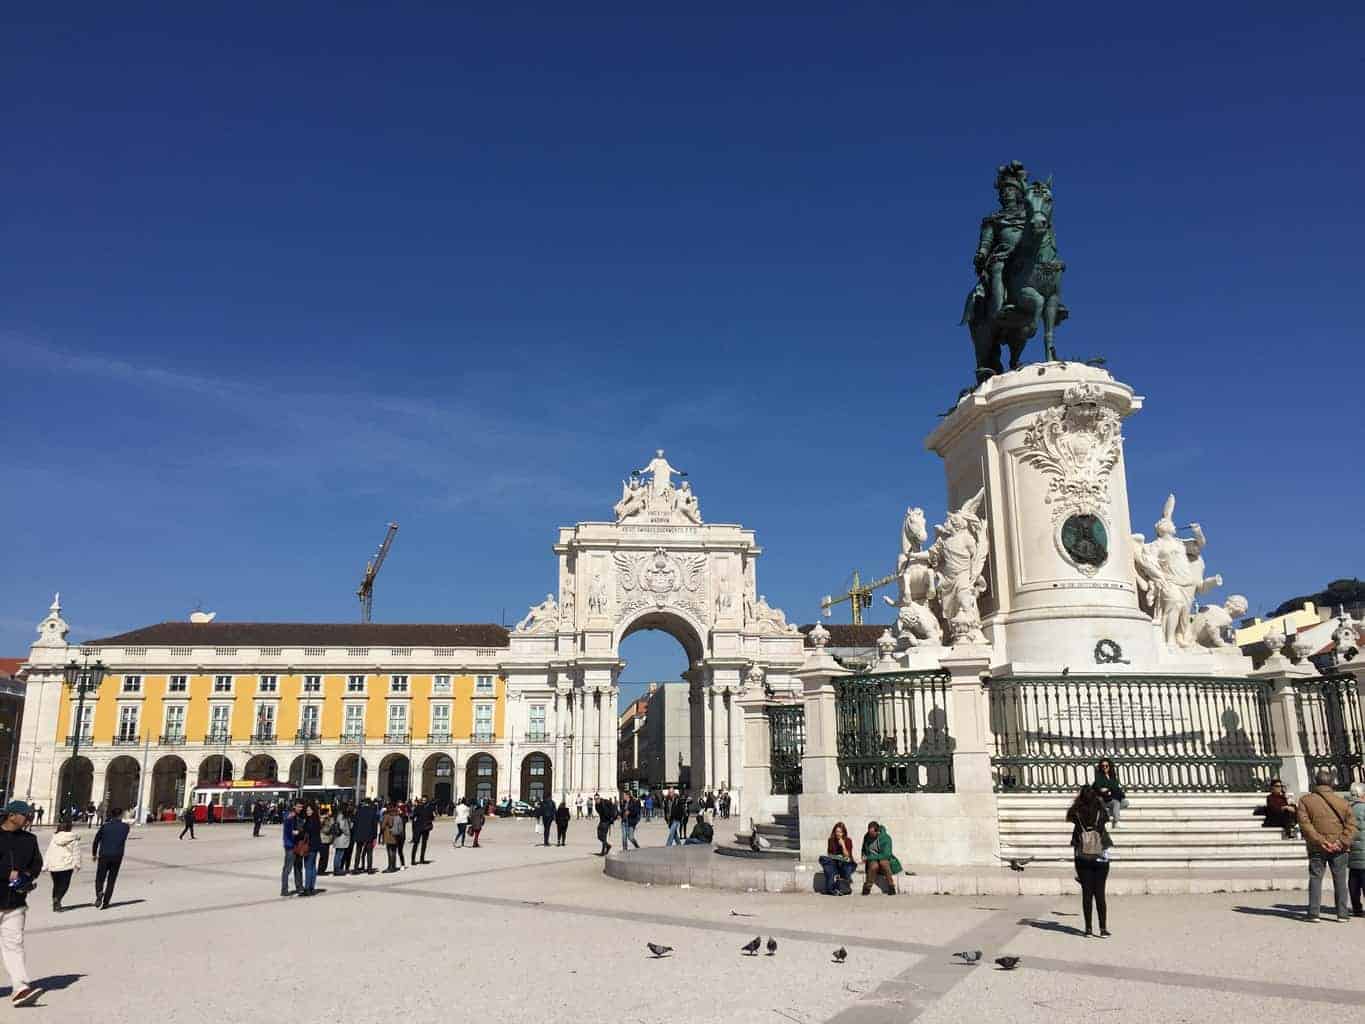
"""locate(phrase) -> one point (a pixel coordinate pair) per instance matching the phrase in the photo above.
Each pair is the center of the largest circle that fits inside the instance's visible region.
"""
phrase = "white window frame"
(183, 680)
(446, 712)
(484, 685)
(273, 715)
(218, 684)
(306, 710)
(166, 719)
(131, 684)
(268, 683)
(312, 684)
(352, 709)
(400, 709)
(355, 684)
(87, 722)
(440, 684)
(395, 687)
(479, 710)
(123, 710)
(212, 735)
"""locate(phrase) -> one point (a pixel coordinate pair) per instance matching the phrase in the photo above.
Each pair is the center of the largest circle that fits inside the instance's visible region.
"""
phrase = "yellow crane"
(366, 591)
(858, 595)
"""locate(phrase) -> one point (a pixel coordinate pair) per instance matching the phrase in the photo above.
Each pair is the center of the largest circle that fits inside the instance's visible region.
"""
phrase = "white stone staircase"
(1158, 830)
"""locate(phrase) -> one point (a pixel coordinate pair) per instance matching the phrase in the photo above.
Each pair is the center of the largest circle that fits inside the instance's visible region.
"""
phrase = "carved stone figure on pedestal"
(597, 595)
(1019, 274)
(687, 503)
(1170, 573)
(916, 622)
(542, 618)
(767, 619)
(1213, 623)
(632, 498)
(650, 493)
(959, 555)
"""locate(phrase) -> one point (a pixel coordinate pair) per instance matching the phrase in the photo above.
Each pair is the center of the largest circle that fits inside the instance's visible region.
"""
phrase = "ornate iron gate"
(1330, 729)
(787, 745)
(1164, 733)
(893, 733)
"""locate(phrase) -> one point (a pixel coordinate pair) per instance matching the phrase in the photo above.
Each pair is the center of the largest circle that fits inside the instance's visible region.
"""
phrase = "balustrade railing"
(892, 732)
(786, 747)
(1163, 733)
(1331, 733)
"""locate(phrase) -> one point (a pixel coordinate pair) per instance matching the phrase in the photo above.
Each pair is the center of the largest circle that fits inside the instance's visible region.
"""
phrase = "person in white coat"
(63, 859)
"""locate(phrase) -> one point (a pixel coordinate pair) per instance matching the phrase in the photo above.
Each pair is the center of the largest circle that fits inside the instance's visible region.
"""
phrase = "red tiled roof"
(309, 634)
(10, 666)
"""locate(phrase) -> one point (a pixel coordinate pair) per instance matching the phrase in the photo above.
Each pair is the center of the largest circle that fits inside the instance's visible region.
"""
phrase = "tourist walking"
(18, 850)
(107, 851)
(62, 860)
(606, 814)
(364, 829)
(1329, 828)
(676, 816)
(461, 822)
(423, 821)
(562, 822)
(630, 820)
(392, 828)
(1090, 845)
(341, 840)
(257, 817)
(477, 816)
(295, 847)
(1107, 786)
(187, 818)
(1356, 860)
(878, 859)
(547, 816)
(837, 862)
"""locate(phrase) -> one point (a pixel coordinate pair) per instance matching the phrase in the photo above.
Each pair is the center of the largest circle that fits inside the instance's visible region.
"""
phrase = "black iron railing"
(1331, 733)
(1163, 733)
(786, 746)
(172, 739)
(892, 732)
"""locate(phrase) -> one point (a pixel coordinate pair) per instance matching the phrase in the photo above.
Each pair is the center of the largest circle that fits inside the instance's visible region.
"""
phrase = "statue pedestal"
(1045, 442)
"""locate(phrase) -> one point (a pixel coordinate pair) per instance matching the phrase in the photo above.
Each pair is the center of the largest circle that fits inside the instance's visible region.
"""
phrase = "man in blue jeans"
(677, 816)
(293, 832)
(630, 818)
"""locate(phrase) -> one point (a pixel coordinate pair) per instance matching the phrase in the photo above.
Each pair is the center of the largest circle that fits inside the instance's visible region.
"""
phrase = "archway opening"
(345, 772)
(395, 778)
(438, 781)
(168, 784)
(215, 769)
(660, 723)
(120, 785)
(261, 768)
(481, 778)
(305, 770)
(76, 783)
(537, 780)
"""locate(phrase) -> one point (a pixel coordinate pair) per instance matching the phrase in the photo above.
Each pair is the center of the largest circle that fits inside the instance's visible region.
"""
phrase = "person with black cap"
(22, 863)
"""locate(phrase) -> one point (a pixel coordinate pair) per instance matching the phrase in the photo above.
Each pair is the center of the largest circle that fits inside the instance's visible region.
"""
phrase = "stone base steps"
(783, 832)
(1183, 830)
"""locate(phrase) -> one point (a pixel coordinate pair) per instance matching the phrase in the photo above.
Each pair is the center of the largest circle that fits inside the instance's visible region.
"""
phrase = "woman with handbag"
(1107, 785)
(1091, 844)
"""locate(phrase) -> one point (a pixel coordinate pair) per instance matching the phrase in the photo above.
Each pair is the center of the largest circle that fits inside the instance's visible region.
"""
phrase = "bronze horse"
(1033, 289)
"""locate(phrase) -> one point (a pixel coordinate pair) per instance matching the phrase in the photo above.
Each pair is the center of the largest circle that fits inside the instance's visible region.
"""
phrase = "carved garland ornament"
(661, 579)
(1076, 445)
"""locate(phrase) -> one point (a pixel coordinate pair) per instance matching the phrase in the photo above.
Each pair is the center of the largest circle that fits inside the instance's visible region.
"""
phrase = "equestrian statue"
(1019, 274)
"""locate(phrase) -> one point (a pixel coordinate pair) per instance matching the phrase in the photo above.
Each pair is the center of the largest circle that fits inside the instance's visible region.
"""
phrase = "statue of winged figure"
(958, 554)
(1170, 575)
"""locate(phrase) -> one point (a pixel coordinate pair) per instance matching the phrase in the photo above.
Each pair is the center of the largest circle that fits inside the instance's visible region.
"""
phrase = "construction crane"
(858, 595)
(366, 590)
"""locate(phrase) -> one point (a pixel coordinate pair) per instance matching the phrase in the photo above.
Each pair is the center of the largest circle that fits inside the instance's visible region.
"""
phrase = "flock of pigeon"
(751, 948)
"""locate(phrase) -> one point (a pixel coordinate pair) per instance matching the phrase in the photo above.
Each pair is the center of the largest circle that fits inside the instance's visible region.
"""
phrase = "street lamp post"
(84, 677)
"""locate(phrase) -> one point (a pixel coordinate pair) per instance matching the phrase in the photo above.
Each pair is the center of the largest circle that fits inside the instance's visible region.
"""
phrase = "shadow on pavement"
(1294, 913)
(124, 903)
(1051, 926)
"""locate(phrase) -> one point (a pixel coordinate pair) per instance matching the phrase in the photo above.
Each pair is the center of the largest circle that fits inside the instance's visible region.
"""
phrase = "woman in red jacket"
(838, 862)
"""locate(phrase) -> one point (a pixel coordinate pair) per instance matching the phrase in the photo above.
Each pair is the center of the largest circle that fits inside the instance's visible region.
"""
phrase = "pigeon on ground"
(757, 843)
(1007, 963)
(736, 913)
(772, 945)
(659, 951)
(751, 948)
(1017, 863)
(840, 955)
(969, 957)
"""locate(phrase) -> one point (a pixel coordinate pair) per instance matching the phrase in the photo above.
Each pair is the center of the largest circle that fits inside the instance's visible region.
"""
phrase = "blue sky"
(273, 278)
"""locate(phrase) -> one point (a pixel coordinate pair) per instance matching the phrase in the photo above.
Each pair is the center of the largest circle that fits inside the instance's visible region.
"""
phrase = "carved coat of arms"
(660, 578)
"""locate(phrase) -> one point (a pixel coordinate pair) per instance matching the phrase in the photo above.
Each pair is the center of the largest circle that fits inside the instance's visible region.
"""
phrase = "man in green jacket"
(878, 859)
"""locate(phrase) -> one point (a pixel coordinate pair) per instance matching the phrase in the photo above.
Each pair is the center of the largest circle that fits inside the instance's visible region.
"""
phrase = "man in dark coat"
(363, 832)
(19, 853)
(562, 821)
(606, 814)
(108, 853)
(257, 817)
(547, 816)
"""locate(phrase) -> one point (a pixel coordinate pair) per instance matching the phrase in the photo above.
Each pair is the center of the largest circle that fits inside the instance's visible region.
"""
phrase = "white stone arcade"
(657, 565)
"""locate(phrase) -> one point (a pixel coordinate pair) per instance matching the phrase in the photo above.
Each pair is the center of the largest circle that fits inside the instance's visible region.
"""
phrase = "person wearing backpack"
(1090, 841)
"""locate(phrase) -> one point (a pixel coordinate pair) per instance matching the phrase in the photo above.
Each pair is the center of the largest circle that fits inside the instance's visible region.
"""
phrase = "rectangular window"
(355, 684)
(222, 684)
(87, 721)
(537, 717)
(440, 684)
(175, 721)
(265, 721)
(309, 716)
(483, 684)
(483, 721)
(354, 725)
(178, 684)
(132, 684)
(312, 684)
(270, 684)
(220, 720)
(440, 719)
(398, 719)
(398, 684)
(127, 722)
